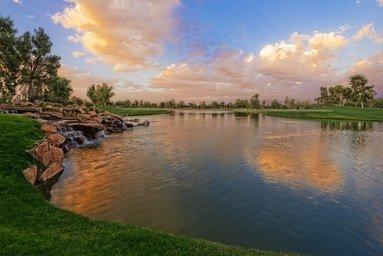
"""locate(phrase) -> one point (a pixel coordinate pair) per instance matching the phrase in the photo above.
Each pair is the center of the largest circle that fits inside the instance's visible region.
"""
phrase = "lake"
(246, 180)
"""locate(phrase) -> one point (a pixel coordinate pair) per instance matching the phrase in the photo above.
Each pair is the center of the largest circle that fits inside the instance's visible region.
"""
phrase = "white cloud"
(17, 1)
(368, 31)
(78, 54)
(126, 34)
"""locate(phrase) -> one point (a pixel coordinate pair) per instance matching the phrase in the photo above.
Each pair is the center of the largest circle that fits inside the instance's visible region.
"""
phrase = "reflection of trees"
(298, 164)
(241, 114)
(346, 125)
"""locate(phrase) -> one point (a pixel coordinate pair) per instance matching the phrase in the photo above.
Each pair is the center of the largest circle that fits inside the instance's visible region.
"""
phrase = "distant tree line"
(28, 70)
(358, 94)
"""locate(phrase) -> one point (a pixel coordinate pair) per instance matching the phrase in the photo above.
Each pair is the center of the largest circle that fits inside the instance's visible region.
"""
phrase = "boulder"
(49, 128)
(46, 153)
(53, 170)
(56, 139)
(56, 154)
(41, 152)
(84, 117)
(31, 174)
(89, 130)
(92, 113)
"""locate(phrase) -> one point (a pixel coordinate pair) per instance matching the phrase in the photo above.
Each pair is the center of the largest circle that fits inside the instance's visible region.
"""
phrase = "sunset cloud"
(299, 65)
(126, 34)
(371, 67)
(368, 31)
(78, 54)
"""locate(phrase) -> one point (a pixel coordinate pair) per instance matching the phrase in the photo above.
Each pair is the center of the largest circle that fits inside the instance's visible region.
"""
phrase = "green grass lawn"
(31, 226)
(135, 111)
(329, 113)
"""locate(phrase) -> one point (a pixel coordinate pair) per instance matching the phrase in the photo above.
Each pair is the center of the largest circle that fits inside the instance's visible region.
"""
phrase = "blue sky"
(188, 42)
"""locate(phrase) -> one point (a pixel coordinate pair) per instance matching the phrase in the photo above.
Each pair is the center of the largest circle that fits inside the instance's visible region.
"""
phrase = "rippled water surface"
(255, 181)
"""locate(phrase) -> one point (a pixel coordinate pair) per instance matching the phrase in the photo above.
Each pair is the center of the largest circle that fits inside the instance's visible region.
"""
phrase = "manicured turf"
(31, 226)
(135, 111)
(330, 113)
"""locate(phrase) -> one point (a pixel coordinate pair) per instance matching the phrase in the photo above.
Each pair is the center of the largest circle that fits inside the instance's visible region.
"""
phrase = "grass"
(31, 226)
(135, 111)
(328, 113)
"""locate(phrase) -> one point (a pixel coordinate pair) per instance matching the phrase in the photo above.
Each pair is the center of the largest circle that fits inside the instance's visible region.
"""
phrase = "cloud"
(17, 1)
(299, 65)
(379, 2)
(126, 34)
(124, 88)
(78, 54)
(368, 31)
(372, 68)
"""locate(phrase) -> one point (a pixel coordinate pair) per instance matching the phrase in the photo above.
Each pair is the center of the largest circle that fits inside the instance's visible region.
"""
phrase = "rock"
(46, 153)
(41, 152)
(84, 117)
(51, 171)
(49, 128)
(89, 130)
(56, 139)
(97, 119)
(56, 154)
(129, 125)
(92, 113)
(144, 123)
(31, 174)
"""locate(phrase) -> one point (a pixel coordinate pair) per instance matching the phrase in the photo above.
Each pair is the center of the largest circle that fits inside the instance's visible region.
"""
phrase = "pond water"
(246, 180)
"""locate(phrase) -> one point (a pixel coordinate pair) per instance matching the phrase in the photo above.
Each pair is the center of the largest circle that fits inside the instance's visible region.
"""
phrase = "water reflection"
(299, 165)
(256, 181)
(347, 125)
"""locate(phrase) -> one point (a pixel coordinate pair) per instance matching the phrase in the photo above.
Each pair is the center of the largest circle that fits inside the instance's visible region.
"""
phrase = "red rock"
(56, 154)
(49, 128)
(41, 152)
(31, 174)
(46, 153)
(56, 139)
(51, 171)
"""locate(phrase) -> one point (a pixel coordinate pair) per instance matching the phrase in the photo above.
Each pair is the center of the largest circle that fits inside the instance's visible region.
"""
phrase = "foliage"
(27, 65)
(254, 101)
(362, 93)
(325, 113)
(9, 59)
(358, 94)
(100, 95)
(39, 67)
(59, 90)
(121, 111)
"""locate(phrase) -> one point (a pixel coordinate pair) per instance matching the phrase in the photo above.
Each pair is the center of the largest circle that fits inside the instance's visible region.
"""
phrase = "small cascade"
(74, 138)
(101, 134)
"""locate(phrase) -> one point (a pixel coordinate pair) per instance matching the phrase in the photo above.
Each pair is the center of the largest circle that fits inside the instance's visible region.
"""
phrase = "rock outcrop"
(64, 128)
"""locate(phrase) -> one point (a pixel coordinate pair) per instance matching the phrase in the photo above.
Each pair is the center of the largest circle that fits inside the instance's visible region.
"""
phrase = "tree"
(275, 104)
(361, 92)
(254, 101)
(10, 59)
(100, 95)
(39, 67)
(323, 99)
(241, 103)
(290, 103)
(59, 90)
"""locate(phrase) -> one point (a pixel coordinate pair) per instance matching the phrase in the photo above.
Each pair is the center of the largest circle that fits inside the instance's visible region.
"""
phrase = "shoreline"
(32, 226)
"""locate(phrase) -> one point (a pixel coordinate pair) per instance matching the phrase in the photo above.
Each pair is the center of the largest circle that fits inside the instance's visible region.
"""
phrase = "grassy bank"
(135, 111)
(330, 113)
(31, 226)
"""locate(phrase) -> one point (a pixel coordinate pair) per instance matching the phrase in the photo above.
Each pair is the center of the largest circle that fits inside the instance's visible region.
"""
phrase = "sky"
(209, 50)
